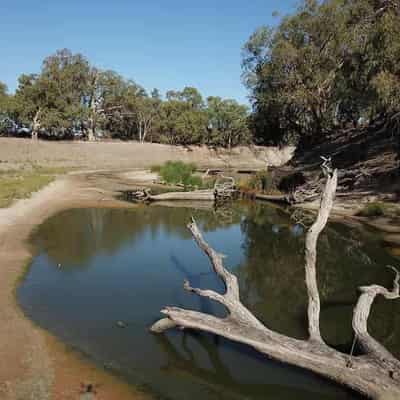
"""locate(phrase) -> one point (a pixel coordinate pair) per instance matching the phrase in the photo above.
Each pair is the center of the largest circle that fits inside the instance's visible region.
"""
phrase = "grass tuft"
(374, 209)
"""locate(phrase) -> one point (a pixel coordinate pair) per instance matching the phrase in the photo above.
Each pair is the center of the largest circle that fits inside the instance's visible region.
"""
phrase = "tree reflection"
(272, 278)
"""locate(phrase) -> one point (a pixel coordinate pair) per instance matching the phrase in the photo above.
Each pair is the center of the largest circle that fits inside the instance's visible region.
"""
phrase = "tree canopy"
(330, 63)
(70, 97)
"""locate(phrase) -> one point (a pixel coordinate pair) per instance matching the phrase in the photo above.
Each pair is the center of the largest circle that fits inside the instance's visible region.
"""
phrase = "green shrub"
(374, 209)
(178, 172)
(262, 182)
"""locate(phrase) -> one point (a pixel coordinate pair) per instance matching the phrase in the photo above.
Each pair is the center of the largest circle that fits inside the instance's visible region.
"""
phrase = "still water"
(101, 276)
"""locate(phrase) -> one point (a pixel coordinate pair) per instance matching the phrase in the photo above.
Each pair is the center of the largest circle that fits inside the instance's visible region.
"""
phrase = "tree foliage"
(331, 63)
(70, 97)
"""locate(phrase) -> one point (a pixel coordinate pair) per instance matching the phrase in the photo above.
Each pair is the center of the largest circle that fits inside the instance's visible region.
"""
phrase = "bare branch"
(230, 281)
(205, 293)
(361, 313)
(311, 252)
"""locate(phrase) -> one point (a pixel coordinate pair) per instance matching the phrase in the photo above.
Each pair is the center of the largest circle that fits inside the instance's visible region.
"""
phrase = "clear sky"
(166, 44)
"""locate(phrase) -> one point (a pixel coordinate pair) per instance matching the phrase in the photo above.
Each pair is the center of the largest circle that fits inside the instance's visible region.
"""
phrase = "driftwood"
(196, 195)
(225, 188)
(374, 373)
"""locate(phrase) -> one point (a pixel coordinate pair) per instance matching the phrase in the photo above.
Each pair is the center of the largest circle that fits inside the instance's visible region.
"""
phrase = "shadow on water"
(101, 276)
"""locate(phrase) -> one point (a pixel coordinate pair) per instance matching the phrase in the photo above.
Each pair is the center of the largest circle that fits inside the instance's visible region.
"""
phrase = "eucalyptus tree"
(330, 62)
(227, 122)
(6, 108)
(53, 99)
(147, 109)
(3, 96)
(182, 117)
(111, 104)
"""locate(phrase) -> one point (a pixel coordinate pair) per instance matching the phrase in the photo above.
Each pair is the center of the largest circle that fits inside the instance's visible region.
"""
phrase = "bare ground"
(15, 153)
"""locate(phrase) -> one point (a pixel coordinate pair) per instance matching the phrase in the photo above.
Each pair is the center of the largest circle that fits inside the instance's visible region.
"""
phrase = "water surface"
(96, 268)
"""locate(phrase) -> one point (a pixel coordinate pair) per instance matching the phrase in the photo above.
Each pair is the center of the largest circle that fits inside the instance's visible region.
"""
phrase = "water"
(96, 268)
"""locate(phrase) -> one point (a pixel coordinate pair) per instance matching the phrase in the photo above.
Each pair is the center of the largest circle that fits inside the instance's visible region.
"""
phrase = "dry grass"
(21, 183)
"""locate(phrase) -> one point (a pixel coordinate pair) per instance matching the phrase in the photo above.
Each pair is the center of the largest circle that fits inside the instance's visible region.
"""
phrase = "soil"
(16, 153)
(367, 158)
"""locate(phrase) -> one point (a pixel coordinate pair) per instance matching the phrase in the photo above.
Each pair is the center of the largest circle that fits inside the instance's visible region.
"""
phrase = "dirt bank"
(15, 153)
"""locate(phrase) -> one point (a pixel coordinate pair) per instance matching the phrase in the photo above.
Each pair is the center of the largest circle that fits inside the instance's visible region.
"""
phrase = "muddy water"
(101, 276)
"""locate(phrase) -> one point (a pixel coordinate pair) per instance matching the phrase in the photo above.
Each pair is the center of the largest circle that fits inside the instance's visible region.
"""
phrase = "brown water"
(101, 276)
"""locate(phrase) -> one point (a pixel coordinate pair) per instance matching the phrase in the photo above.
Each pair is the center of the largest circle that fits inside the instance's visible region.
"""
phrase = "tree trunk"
(36, 125)
(93, 111)
(375, 373)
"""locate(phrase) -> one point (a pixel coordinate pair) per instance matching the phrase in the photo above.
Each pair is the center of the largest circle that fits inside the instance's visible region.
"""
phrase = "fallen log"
(374, 373)
(206, 195)
(274, 198)
(197, 195)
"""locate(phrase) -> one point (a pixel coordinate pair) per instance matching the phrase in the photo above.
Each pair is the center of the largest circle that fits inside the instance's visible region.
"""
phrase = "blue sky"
(166, 44)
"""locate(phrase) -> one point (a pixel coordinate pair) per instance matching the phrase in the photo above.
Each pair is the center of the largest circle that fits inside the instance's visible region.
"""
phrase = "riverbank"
(35, 365)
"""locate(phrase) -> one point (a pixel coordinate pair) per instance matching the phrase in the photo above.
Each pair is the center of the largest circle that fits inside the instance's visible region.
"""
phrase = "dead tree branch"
(375, 373)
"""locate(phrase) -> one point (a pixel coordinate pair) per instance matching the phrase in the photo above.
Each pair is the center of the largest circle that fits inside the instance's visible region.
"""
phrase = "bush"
(290, 183)
(372, 210)
(262, 181)
(178, 172)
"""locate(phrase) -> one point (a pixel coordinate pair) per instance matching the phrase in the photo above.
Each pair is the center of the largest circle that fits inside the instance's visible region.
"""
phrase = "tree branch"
(361, 314)
(311, 254)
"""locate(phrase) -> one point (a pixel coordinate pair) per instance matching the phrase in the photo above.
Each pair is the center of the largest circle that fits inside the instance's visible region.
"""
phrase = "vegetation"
(178, 172)
(262, 182)
(20, 184)
(373, 209)
(72, 98)
(331, 64)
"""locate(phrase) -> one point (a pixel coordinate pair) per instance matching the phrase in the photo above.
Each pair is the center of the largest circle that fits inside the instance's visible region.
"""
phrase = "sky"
(167, 44)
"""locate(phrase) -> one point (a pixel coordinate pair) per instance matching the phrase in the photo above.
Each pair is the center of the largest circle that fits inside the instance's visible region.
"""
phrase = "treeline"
(70, 98)
(330, 65)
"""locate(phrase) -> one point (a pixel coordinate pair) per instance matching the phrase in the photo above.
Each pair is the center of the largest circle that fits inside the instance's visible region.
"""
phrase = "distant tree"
(227, 122)
(189, 95)
(52, 100)
(3, 97)
(181, 123)
(147, 110)
(6, 109)
(111, 104)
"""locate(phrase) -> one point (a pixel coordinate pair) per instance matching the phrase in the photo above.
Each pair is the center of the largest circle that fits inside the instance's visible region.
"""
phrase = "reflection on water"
(95, 267)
